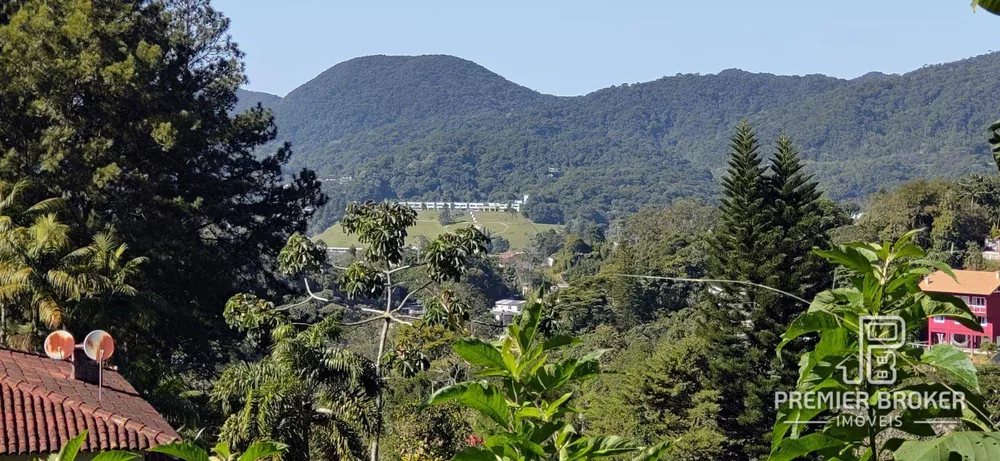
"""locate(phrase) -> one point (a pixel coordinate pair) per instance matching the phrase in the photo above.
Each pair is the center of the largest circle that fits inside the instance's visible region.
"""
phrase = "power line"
(733, 282)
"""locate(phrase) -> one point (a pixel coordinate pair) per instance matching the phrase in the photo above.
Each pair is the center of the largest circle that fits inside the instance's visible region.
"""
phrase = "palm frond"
(50, 312)
(48, 206)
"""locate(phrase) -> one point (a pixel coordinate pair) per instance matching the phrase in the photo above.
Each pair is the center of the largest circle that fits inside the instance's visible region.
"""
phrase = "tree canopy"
(123, 109)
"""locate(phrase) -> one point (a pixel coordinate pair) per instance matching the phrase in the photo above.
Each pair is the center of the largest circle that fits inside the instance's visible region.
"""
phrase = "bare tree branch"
(411, 293)
(311, 294)
(362, 322)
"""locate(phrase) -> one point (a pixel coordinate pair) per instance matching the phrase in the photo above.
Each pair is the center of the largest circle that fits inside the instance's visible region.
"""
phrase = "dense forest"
(443, 127)
(139, 196)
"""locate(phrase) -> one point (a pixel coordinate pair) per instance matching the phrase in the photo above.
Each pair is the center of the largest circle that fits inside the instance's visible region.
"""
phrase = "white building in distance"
(505, 310)
(473, 206)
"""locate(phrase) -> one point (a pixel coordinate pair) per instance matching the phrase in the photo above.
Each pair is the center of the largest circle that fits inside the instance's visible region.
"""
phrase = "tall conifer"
(800, 221)
(771, 219)
(743, 248)
(746, 231)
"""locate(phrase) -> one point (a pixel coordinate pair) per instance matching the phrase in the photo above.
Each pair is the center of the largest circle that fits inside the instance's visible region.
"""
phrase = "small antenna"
(99, 346)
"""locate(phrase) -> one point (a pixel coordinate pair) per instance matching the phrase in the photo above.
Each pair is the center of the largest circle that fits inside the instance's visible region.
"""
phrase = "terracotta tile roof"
(969, 282)
(42, 406)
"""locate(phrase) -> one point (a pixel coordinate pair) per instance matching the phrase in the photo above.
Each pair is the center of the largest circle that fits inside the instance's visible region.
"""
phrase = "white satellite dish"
(99, 346)
(59, 345)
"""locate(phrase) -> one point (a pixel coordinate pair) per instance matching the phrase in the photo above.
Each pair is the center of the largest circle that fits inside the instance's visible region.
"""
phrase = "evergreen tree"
(771, 219)
(739, 322)
(661, 395)
(802, 224)
(745, 233)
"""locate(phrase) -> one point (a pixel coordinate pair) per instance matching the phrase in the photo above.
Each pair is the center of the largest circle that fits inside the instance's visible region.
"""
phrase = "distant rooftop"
(511, 302)
(969, 282)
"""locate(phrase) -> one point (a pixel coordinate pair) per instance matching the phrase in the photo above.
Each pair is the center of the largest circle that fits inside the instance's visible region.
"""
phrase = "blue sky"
(575, 47)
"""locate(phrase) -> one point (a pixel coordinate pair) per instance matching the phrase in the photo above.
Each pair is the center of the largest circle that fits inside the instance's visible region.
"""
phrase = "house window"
(983, 321)
(978, 301)
(938, 319)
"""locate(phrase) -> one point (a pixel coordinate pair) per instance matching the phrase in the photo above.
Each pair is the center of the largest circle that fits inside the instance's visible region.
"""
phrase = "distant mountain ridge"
(444, 127)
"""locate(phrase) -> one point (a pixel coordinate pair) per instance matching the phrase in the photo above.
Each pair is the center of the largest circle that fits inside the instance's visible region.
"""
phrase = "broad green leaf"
(993, 6)
(943, 305)
(598, 447)
(848, 257)
(72, 447)
(482, 397)
(834, 343)
(937, 265)
(952, 362)
(551, 376)
(474, 454)
(559, 341)
(541, 433)
(934, 411)
(531, 412)
(588, 366)
(529, 446)
(837, 300)
(954, 446)
(556, 404)
(653, 452)
(565, 434)
(531, 315)
(262, 450)
(222, 450)
(809, 322)
(791, 449)
(115, 456)
(611, 445)
(903, 241)
(182, 450)
(789, 423)
(479, 353)
(446, 394)
(507, 354)
(908, 251)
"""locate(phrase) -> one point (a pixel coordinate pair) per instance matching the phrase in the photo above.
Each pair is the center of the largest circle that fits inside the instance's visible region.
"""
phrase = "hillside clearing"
(515, 228)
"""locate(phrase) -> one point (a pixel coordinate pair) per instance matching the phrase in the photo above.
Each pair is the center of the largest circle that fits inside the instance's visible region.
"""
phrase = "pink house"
(979, 290)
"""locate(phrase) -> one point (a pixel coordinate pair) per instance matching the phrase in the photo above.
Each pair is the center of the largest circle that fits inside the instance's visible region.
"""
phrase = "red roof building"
(979, 291)
(43, 404)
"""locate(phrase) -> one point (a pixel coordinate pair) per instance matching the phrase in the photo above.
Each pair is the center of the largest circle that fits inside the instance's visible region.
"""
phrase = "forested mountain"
(248, 99)
(444, 127)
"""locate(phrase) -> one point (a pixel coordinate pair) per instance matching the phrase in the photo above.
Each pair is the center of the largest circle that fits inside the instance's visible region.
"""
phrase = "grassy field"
(515, 228)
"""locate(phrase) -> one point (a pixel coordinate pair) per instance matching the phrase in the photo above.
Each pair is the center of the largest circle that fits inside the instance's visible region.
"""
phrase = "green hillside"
(515, 228)
(439, 127)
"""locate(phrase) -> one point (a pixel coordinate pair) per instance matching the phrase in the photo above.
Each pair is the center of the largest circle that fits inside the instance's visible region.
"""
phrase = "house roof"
(42, 406)
(511, 302)
(980, 283)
